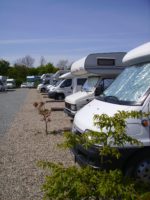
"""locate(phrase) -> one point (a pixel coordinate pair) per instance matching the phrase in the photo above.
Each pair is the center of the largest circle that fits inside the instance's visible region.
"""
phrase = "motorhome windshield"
(90, 84)
(10, 81)
(54, 82)
(58, 82)
(130, 87)
(30, 79)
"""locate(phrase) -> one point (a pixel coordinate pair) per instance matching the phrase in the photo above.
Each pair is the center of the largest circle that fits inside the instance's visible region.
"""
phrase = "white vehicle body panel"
(84, 117)
(89, 65)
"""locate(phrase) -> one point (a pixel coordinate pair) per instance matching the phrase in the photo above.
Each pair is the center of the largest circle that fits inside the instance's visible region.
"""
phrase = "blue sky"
(71, 29)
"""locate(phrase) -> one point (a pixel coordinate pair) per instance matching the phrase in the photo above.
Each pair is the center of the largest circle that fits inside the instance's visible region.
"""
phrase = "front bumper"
(10, 86)
(91, 157)
(69, 112)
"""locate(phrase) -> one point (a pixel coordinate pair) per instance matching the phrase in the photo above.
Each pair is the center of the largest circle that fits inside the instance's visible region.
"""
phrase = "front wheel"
(43, 90)
(139, 167)
(60, 97)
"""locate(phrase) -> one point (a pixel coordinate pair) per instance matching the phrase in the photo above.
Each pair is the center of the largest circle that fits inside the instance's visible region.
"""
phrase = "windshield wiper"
(111, 98)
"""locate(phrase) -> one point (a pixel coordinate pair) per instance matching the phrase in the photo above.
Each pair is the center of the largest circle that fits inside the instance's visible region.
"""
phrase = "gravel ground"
(10, 103)
(26, 143)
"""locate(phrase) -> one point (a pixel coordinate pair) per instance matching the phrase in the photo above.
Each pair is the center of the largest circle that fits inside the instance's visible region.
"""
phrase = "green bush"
(74, 183)
(18, 82)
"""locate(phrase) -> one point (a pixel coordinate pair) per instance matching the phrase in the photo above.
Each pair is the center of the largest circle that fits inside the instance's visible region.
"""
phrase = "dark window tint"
(105, 83)
(46, 82)
(81, 81)
(105, 62)
(67, 83)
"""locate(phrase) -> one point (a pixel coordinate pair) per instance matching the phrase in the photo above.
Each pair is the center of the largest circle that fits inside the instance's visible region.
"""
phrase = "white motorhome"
(101, 69)
(129, 92)
(2, 83)
(42, 87)
(31, 81)
(10, 83)
(66, 85)
(49, 80)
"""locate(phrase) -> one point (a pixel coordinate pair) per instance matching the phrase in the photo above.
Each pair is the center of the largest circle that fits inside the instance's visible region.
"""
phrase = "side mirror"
(98, 91)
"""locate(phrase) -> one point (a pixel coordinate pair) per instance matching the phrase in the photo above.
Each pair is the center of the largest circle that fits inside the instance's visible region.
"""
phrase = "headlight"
(89, 136)
(73, 107)
(52, 89)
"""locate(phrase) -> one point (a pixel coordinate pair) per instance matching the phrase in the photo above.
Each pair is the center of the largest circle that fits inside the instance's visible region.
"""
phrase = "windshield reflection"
(90, 84)
(130, 86)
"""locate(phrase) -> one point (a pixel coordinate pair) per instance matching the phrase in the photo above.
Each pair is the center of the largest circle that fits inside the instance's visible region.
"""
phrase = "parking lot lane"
(10, 103)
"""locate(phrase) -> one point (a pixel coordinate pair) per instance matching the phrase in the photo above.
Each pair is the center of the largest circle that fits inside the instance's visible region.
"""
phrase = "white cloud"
(94, 38)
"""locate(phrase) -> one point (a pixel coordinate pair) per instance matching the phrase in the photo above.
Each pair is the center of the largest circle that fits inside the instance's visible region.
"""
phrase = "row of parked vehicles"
(110, 82)
(6, 83)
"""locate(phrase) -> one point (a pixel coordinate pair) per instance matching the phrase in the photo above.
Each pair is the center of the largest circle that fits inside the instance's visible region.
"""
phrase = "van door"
(67, 87)
(138, 128)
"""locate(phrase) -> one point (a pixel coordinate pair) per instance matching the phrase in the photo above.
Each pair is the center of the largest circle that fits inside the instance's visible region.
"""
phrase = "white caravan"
(45, 80)
(42, 87)
(10, 83)
(2, 83)
(66, 85)
(129, 92)
(101, 69)
(49, 80)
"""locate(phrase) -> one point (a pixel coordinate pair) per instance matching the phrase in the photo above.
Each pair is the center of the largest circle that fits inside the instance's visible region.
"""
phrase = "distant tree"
(63, 64)
(32, 71)
(19, 73)
(4, 67)
(42, 61)
(27, 61)
(48, 68)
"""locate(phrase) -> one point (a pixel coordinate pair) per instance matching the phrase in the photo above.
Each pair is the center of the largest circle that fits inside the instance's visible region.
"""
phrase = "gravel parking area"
(26, 143)
(10, 103)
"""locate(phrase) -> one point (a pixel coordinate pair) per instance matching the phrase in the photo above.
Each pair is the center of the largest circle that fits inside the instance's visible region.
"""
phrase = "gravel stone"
(25, 144)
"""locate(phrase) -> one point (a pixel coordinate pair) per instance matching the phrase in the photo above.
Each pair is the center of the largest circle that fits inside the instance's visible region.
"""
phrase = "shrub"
(45, 113)
(74, 183)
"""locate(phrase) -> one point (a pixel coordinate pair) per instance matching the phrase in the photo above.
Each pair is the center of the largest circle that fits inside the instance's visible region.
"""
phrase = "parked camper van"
(30, 81)
(10, 83)
(129, 92)
(49, 80)
(45, 80)
(101, 69)
(2, 83)
(66, 85)
(42, 87)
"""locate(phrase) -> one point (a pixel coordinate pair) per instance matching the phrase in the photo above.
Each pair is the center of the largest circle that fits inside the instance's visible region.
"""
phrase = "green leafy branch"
(110, 135)
(75, 183)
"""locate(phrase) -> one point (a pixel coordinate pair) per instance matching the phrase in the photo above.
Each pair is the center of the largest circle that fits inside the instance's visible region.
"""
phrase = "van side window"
(105, 83)
(67, 83)
(81, 81)
(108, 82)
(46, 82)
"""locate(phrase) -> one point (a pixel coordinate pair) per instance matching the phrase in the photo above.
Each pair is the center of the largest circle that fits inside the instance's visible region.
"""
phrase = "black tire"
(43, 90)
(139, 166)
(60, 97)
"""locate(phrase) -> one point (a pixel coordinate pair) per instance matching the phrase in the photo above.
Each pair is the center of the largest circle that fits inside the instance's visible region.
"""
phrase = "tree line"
(24, 67)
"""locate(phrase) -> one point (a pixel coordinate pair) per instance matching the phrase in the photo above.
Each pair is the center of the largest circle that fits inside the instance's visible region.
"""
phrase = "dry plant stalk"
(44, 112)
